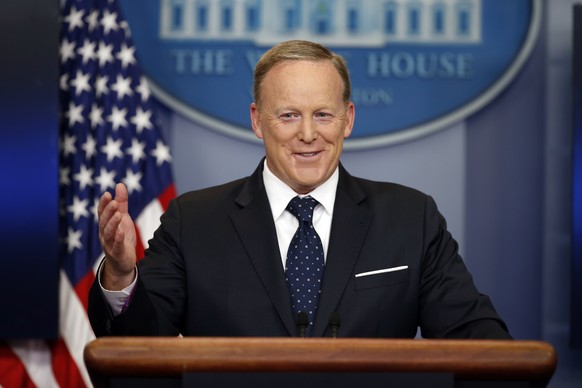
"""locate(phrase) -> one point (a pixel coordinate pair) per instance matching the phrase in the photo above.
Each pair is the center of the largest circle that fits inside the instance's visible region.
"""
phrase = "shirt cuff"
(117, 300)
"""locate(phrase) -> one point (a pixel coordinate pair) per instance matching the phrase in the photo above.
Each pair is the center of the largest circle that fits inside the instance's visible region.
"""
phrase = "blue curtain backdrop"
(576, 303)
(29, 168)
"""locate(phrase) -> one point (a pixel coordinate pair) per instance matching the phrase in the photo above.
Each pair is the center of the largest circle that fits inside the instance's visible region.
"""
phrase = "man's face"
(303, 121)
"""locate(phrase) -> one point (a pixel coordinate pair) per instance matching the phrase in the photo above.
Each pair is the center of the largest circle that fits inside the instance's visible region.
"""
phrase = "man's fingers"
(108, 209)
(121, 196)
(116, 231)
(117, 241)
(119, 238)
(108, 206)
(103, 201)
(110, 228)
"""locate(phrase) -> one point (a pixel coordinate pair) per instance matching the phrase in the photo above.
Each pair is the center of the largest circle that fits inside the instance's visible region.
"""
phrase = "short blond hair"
(299, 50)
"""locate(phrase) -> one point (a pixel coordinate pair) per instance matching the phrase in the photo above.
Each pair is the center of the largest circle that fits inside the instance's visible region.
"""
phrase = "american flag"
(108, 134)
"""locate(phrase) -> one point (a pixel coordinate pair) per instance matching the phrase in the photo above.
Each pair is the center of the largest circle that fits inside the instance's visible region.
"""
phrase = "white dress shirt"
(286, 224)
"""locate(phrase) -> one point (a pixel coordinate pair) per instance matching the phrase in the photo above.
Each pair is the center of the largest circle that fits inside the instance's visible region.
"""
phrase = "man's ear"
(350, 118)
(256, 121)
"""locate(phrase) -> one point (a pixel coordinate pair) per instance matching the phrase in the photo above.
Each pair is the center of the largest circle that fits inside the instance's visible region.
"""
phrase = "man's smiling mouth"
(307, 154)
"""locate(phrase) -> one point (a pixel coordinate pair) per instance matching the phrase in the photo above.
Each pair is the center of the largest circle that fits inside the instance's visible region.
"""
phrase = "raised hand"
(118, 238)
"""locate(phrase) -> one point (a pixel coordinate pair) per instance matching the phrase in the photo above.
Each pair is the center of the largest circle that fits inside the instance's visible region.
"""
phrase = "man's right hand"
(118, 238)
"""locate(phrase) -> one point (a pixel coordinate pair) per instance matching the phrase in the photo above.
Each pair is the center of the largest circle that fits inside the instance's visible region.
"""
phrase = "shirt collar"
(280, 194)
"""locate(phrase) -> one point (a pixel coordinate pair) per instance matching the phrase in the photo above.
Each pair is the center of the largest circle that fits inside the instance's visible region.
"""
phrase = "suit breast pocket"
(381, 279)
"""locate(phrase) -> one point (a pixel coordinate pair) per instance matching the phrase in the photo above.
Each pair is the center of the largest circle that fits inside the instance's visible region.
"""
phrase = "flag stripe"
(65, 369)
(36, 358)
(12, 370)
(74, 325)
(167, 196)
(148, 220)
(139, 248)
(82, 289)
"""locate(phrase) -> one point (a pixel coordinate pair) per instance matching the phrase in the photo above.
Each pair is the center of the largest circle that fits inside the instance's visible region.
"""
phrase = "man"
(226, 261)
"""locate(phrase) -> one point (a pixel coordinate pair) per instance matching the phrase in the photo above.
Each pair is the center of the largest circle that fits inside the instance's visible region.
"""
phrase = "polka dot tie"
(305, 262)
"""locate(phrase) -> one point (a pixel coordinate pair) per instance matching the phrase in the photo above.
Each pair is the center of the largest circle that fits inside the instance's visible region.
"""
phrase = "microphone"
(334, 323)
(302, 323)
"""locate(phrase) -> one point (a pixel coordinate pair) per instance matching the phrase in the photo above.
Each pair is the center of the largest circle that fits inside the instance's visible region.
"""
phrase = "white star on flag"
(78, 208)
(74, 19)
(132, 180)
(96, 116)
(101, 85)
(117, 118)
(105, 180)
(105, 53)
(136, 150)
(142, 120)
(90, 147)
(112, 149)
(67, 50)
(81, 83)
(84, 177)
(122, 86)
(68, 144)
(74, 240)
(109, 22)
(126, 56)
(162, 153)
(87, 51)
(143, 89)
(75, 114)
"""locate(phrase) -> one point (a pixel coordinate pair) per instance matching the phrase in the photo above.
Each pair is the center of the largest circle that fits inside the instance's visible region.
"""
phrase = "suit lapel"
(348, 231)
(255, 227)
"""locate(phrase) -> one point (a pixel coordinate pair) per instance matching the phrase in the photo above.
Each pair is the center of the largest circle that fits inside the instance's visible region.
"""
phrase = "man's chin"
(307, 181)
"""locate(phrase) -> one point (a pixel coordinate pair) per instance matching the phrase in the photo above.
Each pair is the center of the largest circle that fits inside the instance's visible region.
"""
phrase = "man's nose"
(308, 130)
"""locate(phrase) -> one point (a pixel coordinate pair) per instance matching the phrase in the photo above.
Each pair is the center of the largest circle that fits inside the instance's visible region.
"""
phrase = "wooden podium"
(119, 361)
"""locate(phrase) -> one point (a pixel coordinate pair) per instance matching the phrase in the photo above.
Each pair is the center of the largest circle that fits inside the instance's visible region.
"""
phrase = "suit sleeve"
(450, 304)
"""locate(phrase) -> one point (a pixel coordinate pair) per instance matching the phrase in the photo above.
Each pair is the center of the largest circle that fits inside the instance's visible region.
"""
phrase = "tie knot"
(302, 208)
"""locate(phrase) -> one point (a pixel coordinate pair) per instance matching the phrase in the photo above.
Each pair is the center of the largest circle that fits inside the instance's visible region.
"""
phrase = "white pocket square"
(379, 271)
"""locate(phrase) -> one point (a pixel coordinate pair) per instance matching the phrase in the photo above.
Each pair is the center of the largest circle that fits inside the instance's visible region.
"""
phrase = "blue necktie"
(305, 262)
